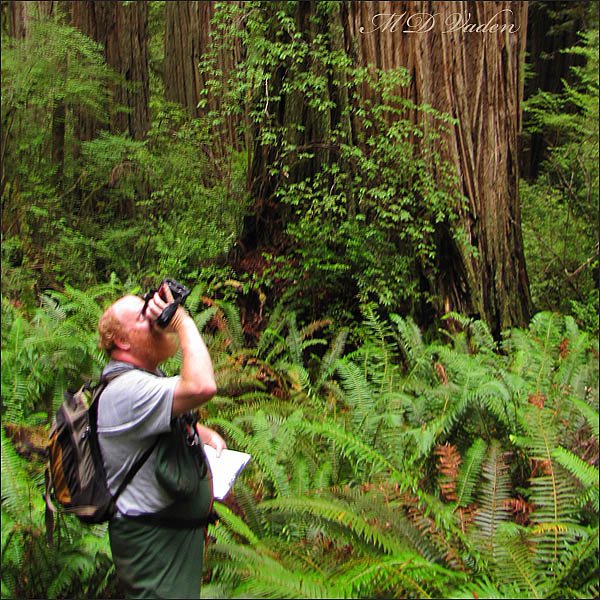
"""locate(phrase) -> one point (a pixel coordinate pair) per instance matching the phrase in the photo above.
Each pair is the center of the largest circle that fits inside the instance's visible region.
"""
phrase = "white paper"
(225, 469)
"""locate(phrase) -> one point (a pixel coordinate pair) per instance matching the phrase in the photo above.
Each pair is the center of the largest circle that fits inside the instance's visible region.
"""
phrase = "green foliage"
(349, 175)
(560, 208)
(399, 467)
(54, 68)
(372, 510)
(76, 565)
(492, 512)
(55, 350)
(76, 211)
(387, 462)
(30, 69)
(191, 218)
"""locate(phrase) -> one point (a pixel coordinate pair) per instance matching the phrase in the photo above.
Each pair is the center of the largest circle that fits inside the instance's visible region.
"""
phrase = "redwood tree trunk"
(60, 9)
(187, 41)
(466, 60)
(19, 14)
(476, 76)
(121, 28)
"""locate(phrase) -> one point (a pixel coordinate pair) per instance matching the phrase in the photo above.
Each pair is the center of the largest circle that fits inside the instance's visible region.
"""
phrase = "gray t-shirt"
(133, 409)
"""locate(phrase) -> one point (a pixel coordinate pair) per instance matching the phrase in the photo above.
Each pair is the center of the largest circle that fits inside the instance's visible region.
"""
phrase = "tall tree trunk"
(468, 64)
(188, 40)
(61, 11)
(477, 78)
(18, 17)
(121, 28)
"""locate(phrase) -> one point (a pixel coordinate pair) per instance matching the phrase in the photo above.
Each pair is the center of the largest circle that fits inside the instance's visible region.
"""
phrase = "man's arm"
(196, 383)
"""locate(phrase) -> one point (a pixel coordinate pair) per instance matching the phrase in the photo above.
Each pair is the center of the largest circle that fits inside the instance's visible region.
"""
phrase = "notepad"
(225, 469)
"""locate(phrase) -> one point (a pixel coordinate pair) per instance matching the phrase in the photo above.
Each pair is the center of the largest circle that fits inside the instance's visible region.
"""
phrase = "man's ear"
(121, 342)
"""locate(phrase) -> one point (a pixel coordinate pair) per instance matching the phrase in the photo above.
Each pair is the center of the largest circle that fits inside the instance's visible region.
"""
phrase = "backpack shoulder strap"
(104, 381)
(134, 469)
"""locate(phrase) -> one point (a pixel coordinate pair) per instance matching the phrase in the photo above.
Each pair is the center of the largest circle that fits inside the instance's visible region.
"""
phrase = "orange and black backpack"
(75, 474)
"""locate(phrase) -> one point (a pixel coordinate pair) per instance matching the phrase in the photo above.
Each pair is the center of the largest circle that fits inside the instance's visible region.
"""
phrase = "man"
(152, 561)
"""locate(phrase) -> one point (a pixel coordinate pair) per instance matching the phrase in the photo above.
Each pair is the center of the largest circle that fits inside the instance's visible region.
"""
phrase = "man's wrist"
(179, 319)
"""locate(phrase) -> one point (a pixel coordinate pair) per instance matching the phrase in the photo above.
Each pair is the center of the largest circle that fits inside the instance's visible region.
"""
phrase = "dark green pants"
(157, 562)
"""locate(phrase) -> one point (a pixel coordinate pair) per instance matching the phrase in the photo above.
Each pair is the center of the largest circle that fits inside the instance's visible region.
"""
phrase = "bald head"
(115, 320)
(127, 335)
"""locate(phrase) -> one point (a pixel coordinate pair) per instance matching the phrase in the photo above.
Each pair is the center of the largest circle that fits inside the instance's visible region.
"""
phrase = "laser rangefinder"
(180, 293)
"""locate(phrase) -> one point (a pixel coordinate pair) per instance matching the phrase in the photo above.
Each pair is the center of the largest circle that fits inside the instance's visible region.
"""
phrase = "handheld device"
(180, 293)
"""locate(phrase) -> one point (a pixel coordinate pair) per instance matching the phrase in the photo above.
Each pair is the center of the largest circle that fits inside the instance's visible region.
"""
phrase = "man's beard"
(158, 346)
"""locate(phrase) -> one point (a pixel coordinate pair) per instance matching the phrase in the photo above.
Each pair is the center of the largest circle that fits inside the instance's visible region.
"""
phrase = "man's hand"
(211, 438)
(161, 300)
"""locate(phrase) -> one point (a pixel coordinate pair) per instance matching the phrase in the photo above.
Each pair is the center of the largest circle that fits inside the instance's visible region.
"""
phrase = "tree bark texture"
(18, 17)
(122, 30)
(476, 77)
(187, 40)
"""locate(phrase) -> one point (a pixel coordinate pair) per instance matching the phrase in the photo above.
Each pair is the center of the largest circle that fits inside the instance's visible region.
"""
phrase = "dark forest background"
(391, 238)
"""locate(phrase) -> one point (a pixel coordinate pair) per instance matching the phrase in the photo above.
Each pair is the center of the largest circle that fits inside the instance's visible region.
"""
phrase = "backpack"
(75, 474)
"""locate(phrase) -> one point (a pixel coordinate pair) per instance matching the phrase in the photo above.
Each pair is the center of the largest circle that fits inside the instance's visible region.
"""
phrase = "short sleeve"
(138, 404)
(133, 410)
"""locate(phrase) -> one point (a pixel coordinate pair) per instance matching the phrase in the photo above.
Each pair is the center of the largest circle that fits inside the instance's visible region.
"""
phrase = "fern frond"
(261, 449)
(354, 449)
(194, 300)
(410, 341)
(492, 496)
(587, 474)
(82, 306)
(488, 589)
(514, 561)
(262, 576)
(202, 318)
(309, 330)
(51, 309)
(577, 568)
(554, 514)
(405, 575)
(234, 523)
(18, 495)
(244, 407)
(329, 361)
(589, 413)
(271, 342)
(245, 497)
(551, 487)
(376, 328)
(497, 398)
(233, 324)
(358, 395)
(470, 472)
(481, 338)
(322, 476)
(337, 512)
(294, 340)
